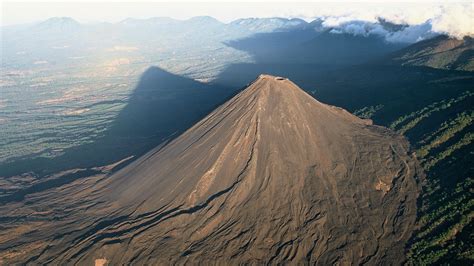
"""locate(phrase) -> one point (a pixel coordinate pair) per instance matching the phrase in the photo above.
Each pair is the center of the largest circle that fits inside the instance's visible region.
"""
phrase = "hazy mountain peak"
(204, 19)
(154, 21)
(59, 22)
(57, 25)
(268, 24)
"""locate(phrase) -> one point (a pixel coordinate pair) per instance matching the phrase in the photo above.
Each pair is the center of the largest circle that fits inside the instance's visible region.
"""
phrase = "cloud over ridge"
(421, 21)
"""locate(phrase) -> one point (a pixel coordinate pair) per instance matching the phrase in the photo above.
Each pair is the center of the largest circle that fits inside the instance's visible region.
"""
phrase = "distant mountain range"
(58, 23)
(368, 38)
(253, 25)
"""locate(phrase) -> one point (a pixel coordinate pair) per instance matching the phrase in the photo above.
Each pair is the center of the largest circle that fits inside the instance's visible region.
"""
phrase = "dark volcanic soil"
(270, 176)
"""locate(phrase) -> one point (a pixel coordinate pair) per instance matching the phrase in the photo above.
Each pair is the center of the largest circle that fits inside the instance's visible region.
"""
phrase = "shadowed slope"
(270, 176)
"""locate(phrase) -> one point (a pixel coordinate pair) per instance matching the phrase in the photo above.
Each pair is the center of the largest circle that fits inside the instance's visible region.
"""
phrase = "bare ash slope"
(270, 176)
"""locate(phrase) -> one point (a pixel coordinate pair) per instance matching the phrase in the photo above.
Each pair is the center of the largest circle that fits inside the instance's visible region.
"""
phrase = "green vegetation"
(466, 140)
(445, 132)
(368, 112)
(407, 122)
(439, 236)
(445, 221)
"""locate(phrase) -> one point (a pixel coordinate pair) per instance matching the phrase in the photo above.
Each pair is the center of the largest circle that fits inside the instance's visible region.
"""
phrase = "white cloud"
(425, 18)
(455, 20)
(356, 27)
(412, 33)
(405, 34)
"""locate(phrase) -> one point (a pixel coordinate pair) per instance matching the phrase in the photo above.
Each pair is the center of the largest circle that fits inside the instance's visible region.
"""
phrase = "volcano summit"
(271, 176)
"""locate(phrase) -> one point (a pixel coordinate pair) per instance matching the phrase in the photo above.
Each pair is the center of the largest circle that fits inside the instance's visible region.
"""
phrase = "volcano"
(270, 176)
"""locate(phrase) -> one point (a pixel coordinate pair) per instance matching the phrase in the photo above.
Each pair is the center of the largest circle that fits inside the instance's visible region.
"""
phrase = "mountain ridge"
(441, 52)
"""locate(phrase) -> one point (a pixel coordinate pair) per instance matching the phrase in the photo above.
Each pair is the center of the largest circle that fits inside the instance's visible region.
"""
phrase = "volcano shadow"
(309, 46)
(302, 55)
(160, 107)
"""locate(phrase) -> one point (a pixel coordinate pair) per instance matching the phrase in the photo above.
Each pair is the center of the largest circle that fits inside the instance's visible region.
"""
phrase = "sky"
(453, 17)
